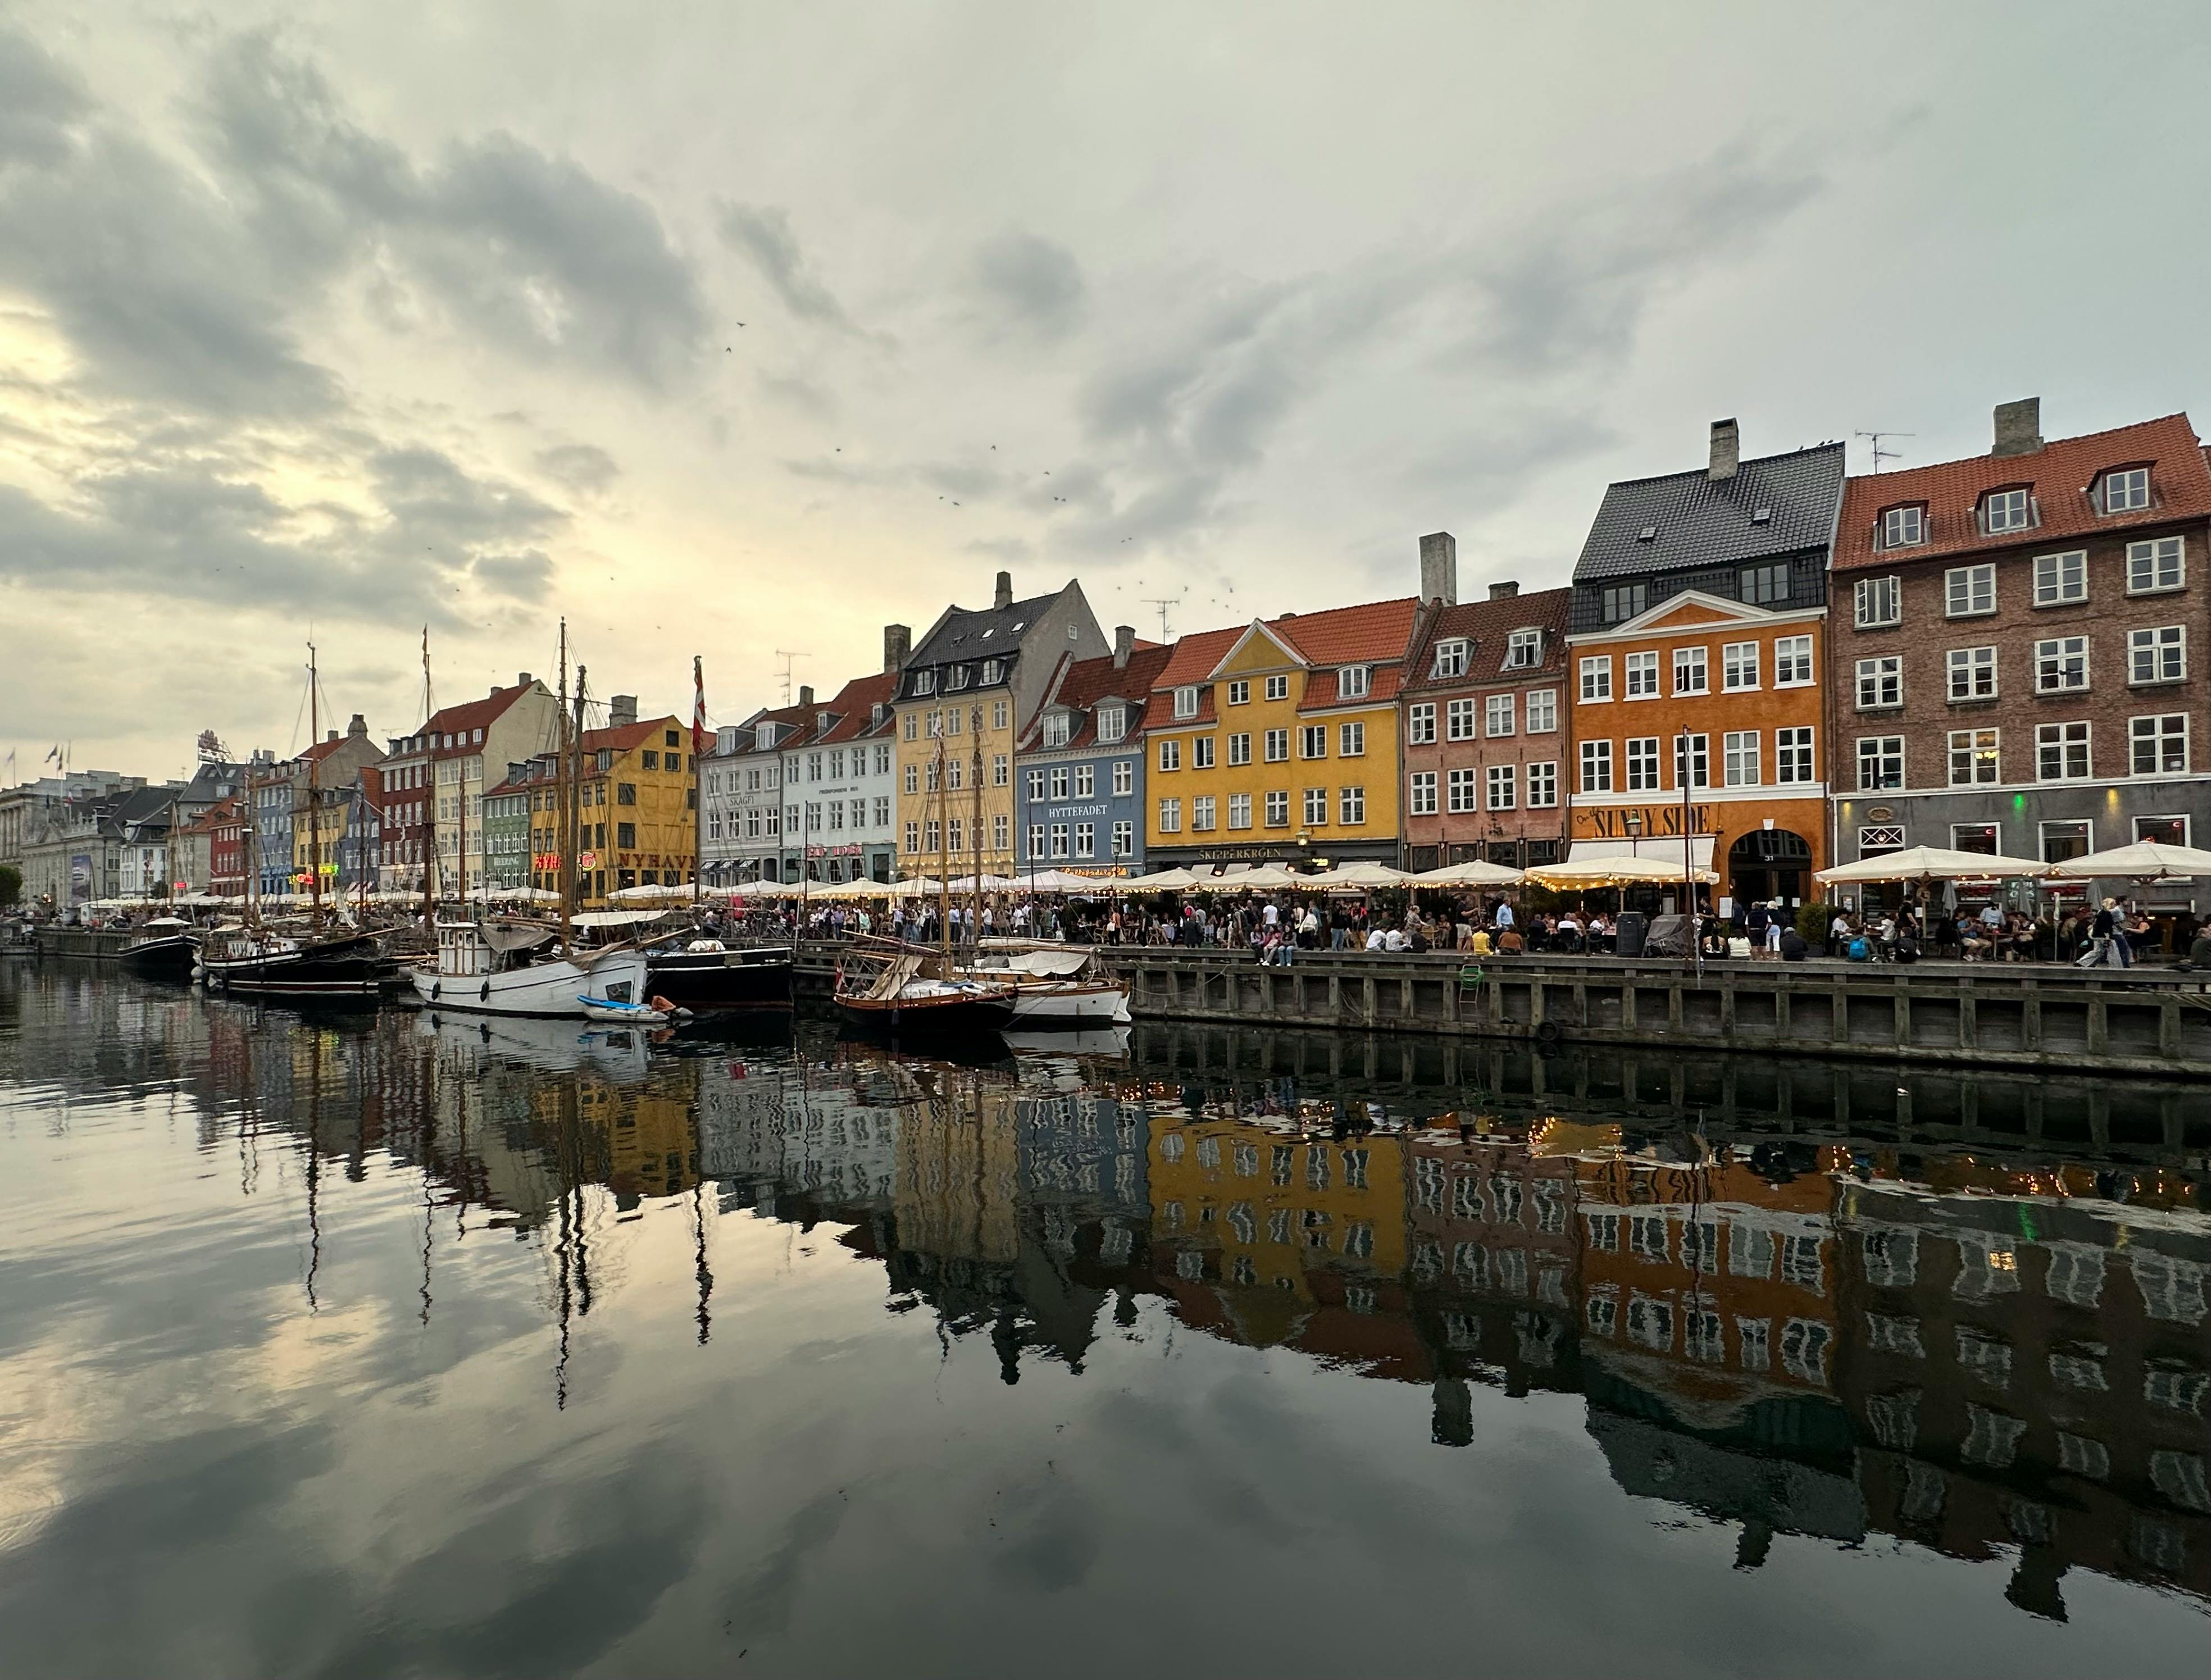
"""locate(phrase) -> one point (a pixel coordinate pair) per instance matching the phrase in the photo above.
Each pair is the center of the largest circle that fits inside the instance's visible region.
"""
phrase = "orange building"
(1696, 638)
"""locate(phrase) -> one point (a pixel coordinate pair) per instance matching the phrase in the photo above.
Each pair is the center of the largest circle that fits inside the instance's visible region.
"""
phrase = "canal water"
(388, 1345)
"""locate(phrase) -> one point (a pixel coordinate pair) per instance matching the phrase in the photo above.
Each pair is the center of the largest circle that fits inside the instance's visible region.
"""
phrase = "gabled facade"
(743, 779)
(1278, 742)
(965, 695)
(843, 783)
(1696, 641)
(1080, 793)
(2018, 663)
(635, 811)
(1485, 722)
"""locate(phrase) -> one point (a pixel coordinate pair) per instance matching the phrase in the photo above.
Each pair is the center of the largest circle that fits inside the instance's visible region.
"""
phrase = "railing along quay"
(2139, 1021)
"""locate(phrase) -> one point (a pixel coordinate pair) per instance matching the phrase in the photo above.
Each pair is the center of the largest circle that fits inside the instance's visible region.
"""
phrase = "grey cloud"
(40, 104)
(762, 234)
(521, 576)
(1029, 284)
(800, 395)
(584, 468)
(428, 495)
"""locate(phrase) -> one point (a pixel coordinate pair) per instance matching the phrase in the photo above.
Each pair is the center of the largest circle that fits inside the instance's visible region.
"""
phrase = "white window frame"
(1112, 723)
(1351, 806)
(1124, 777)
(1795, 750)
(1463, 790)
(1351, 740)
(1502, 788)
(1596, 766)
(1595, 679)
(2156, 736)
(1876, 677)
(1170, 755)
(2061, 579)
(1638, 675)
(1693, 754)
(1451, 657)
(1541, 711)
(1644, 765)
(2157, 654)
(1420, 724)
(1904, 527)
(2063, 738)
(1692, 672)
(1279, 738)
(1277, 807)
(1793, 653)
(1969, 591)
(1308, 734)
(1498, 715)
(1420, 793)
(1169, 816)
(1739, 663)
(2147, 560)
(1972, 751)
(1240, 810)
(1239, 747)
(1278, 686)
(1542, 790)
(1459, 719)
(1353, 682)
(1524, 649)
(1740, 752)
(1885, 747)
(1239, 692)
(1878, 602)
(2009, 509)
(1972, 665)
(2054, 671)
(1186, 702)
(2135, 478)
(1316, 808)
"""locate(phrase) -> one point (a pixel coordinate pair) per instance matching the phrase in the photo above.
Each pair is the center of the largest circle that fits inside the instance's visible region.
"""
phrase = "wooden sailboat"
(523, 966)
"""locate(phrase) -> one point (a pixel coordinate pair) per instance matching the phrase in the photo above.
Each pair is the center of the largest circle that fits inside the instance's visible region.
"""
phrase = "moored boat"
(265, 963)
(908, 991)
(163, 949)
(503, 967)
(706, 974)
(1056, 989)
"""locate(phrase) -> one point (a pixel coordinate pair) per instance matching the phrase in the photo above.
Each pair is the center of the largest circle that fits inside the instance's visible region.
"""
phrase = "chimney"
(897, 643)
(1727, 450)
(358, 730)
(2019, 426)
(621, 712)
(1124, 644)
(1505, 590)
(1004, 597)
(1439, 568)
(805, 694)
(330, 734)
(523, 680)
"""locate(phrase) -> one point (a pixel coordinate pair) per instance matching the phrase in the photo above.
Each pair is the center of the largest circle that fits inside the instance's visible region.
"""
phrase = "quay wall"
(54, 941)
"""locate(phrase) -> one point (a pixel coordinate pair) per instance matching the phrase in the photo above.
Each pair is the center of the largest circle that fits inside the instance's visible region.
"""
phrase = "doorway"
(1769, 863)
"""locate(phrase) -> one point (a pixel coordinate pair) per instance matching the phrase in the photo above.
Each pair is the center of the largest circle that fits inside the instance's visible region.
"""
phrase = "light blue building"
(1079, 792)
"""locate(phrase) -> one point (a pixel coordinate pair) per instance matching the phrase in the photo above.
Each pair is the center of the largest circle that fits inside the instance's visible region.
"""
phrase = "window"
(1881, 682)
(1880, 601)
(2061, 751)
(1463, 790)
(2165, 832)
(2156, 564)
(1351, 804)
(1351, 682)
(2007, 510)
(1423, 793)
(913, 838)
(1643, 764)
(2126, 491)
(1739, 758)
(1792, 755)
(1059, 782)
(999, 714)
(1240, 693)
(2157, 655)
(1086, 839)
(1124, 839)
(1112, 723)
(1690, 676)
(1278, 688)
(1086, 782)
(1596, 766)
(1240, 749)
(1762, 585)
(1693, 763)
(1542, 710)
(1278, 746)
(1313, 741)
(625, 793)
(1056, 729)
(1501, 789)
(1497, 718)
(648, 759)
(1169, 816)
(2061, 663)
(1058, 840)
(1624, 601)
(1421, 724)
(1201, 813)
(1002, 770)
(1738, 665)
(1316, 808)
(954, 680)
(1596, 678)
(1186, 702)
(1543, 784)
(1170, 755)
(1974, 758)
(1880, 762)
(1278, 809)
(1352, 740)
(1201, 752)
(1460, 720)
(909, 725)
(2159, 743)
(1641, 674)
(1969, 591)
(1451, 658)
(1903, 527)
(1524, 649)
(625, 837)
(925, 682)
(2061, 579)
(1972, 672)
(1124, 777)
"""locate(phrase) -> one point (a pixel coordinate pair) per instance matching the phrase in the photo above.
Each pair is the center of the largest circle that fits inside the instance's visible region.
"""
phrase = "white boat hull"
(1072, 1007)
(555, 987)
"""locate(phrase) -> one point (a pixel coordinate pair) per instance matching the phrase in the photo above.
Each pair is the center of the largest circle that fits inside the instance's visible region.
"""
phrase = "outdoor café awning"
(1933, 863)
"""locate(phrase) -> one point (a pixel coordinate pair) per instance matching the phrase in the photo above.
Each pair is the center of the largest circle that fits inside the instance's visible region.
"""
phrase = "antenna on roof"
(1880, 454)
(1163, 602)
(787, 657)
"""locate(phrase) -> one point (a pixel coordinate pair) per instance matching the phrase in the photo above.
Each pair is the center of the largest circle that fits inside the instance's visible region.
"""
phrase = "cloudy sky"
(727, 329)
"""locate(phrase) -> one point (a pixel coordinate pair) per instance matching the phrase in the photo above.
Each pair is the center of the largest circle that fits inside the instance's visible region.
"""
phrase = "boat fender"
(437, 990)
(1546, 1032)
(483, 992)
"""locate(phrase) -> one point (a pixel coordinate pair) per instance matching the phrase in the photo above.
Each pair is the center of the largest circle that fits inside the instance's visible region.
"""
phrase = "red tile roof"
(630, 736)
(1382, 686)
(1195, 655)
(474, 714)
(1374, 633)
(2060, 475)
(1488, 626)
(1086, 681)
(854, 707)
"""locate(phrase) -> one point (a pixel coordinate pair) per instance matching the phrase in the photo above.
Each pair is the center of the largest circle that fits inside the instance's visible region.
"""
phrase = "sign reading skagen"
(1610, 822)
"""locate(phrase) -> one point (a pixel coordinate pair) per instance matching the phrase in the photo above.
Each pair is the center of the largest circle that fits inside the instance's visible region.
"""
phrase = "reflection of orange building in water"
(1271, 1238)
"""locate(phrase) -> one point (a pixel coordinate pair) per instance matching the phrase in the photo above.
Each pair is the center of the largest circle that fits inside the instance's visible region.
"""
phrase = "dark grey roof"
(993, 633)
(1695, 522)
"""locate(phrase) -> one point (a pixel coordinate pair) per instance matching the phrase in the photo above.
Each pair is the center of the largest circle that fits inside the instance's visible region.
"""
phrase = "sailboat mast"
(576, 780)
(430, 841)
(944, 852)
(975, 929)
(314, 792)
(564, 829)
(698, 784)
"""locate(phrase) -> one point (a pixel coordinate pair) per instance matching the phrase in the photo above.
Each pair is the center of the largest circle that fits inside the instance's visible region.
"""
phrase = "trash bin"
(1632, 925)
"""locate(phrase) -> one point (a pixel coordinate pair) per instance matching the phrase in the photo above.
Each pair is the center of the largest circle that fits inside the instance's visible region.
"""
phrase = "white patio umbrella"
(1609, 870)
(1932, 863)
(2144, 860)
(1266, 878)
(1354, 877)
(1473, 873)
(1169, 880)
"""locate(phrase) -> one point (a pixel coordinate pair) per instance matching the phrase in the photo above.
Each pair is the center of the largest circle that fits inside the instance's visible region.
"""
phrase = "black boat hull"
(734, 979)
(160, 959)
(960, 1017)
(351, 971)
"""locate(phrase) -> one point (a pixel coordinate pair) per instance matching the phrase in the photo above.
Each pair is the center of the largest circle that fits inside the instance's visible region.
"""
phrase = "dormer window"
(876, 714)
(994, 670)
(767, 736)
(2125, 490)
(958, 680)
(1904, 527)
(1524, 649)
(1185, 704)
(1620, 602)
(2009, 510)
(1351, 682)
(1451, 657)
(1056, 729)
(1112, 722)
(925, 682)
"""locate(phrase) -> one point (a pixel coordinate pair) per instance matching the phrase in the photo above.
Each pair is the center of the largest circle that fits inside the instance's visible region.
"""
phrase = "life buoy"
(1546, 1032)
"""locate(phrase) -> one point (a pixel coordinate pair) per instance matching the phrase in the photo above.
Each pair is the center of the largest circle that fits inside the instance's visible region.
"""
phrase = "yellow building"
(964, 697)
(638, 825)
(1279, 741)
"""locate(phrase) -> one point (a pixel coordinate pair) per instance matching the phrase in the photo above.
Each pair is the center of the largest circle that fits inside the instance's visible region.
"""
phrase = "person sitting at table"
(1477, 941)
(1570, 932)
(1511, 943)
(1973, 943)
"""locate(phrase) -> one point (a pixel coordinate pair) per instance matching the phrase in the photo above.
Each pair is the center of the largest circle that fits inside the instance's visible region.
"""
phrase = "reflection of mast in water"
(314, 1164)
(574, 1249)
(699, 1227)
